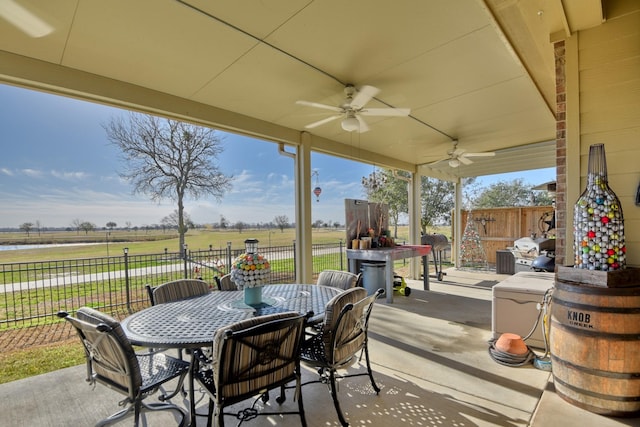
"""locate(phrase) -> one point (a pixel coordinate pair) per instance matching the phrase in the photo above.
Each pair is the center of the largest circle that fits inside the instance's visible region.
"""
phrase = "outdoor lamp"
(126, 250)
(251, 246)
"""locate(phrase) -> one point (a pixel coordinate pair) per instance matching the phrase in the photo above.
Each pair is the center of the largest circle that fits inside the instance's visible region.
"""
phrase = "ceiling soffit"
(449, 62)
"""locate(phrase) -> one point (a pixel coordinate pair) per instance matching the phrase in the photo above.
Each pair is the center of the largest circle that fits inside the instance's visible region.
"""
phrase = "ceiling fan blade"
(323, 121)
(464, 160)
(363, 96)
(487, 154)
(390, 112)
(363, 125)
(317, 105)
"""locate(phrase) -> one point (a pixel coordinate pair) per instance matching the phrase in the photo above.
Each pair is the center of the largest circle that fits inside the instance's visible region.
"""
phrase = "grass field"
(155, 241)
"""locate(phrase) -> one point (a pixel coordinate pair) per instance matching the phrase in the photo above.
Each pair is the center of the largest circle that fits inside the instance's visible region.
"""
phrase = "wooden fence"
(500, 227)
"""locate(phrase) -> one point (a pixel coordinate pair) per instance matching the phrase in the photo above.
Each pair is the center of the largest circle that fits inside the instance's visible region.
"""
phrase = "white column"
(415, 215)
(304, 258)
(457, 232)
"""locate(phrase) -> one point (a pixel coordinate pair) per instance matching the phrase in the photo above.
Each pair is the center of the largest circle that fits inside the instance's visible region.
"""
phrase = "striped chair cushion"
(250, 363)
(338, 279)
(179, 289)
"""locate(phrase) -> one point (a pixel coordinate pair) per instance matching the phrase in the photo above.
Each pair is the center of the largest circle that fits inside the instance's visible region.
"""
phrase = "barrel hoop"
(597, 395)
(600, 309)
(595, 290)
(597, 372)
(595, 334)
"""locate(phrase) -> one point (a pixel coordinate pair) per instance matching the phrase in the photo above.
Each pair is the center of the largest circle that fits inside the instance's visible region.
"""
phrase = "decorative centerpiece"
(598, 221)
(250, 271)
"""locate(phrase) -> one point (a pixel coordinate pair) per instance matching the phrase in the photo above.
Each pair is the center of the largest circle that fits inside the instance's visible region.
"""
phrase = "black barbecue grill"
(439, 244)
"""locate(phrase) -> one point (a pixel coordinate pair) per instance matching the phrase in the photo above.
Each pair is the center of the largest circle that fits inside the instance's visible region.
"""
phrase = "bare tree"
(87, 227)
(172, 221)
(240, 226)
(26, 227)
(169, 159)
(281, 221)
(76, 223)
(111, 225)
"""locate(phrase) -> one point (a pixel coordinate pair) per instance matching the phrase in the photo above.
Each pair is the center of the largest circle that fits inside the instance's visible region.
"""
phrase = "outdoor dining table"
(192, 322)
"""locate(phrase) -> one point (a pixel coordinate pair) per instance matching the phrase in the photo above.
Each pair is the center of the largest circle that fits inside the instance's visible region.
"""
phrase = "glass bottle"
(598, 224)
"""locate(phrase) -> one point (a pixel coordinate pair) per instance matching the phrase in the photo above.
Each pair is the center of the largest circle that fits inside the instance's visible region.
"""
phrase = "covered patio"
(536, 82)
(429, 355)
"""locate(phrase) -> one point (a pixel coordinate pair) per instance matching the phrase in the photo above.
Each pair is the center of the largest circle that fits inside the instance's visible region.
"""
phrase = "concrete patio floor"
(429, 356)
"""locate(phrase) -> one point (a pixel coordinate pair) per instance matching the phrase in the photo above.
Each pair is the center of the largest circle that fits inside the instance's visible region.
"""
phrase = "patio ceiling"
(481, 72)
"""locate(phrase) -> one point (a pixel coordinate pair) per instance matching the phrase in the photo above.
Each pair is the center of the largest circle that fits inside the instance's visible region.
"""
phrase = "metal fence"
(32, 293)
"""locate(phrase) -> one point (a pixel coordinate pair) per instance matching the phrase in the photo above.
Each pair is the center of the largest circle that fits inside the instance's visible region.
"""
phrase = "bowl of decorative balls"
(250, 270)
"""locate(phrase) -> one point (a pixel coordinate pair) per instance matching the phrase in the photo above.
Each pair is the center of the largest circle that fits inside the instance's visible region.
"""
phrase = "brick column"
(561, 155)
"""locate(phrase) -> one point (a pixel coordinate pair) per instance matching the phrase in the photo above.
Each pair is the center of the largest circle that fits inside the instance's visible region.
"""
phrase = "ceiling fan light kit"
(350, 124)
(454, 163)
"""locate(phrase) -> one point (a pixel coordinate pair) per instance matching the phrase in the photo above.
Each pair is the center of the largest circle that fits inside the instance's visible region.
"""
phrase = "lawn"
(156, 241)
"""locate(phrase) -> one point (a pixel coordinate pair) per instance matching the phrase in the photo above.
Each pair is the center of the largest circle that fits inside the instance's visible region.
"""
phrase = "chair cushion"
(337, 279)
(256, 362)
(110, 353)
(179, 289)
(335, 304)
(226, 284)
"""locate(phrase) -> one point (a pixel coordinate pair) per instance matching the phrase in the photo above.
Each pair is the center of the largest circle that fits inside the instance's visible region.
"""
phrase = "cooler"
(514, 305)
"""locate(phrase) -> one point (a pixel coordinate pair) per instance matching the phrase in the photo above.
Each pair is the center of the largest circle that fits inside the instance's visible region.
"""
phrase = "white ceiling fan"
(458, 156)
(352, 108)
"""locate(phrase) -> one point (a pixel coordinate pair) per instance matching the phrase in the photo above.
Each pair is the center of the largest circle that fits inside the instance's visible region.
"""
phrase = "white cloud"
(34, 173)
(6, 171)
(69, 175)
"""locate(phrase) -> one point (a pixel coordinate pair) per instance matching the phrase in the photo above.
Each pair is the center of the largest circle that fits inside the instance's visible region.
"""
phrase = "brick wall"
(561, 152)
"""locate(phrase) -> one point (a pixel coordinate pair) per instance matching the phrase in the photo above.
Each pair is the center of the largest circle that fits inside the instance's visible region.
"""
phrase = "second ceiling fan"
(352, 108)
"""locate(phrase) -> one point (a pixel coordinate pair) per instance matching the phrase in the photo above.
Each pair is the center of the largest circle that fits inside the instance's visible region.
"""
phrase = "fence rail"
(32, 293)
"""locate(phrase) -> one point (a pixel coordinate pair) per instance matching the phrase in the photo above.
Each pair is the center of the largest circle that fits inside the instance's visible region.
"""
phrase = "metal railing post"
(229, 257)
(126, 279)
(186, 268)
(295, 273)
(341, 256)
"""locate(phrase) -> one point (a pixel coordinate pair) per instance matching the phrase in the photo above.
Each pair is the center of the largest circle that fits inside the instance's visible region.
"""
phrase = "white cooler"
(514, 305)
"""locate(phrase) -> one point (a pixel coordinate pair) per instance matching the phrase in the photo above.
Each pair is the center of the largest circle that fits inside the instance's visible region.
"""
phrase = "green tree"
(111, 225)
(437, 200)
(510, 193)
(382, 186)
(437, 197)
(169, 159)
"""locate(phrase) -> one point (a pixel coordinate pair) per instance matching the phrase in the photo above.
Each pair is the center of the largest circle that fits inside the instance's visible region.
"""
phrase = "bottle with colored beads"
(597, 220)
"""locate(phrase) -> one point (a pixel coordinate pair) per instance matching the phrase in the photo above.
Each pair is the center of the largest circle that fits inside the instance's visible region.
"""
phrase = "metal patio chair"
(225, 283)
(250, 358)
(343, 335)
(111, 361)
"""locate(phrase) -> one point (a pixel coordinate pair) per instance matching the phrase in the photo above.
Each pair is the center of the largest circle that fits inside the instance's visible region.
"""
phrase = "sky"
(56, 165)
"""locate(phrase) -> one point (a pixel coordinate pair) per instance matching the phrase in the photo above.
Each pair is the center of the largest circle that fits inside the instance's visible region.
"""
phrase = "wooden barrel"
(595, 347)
